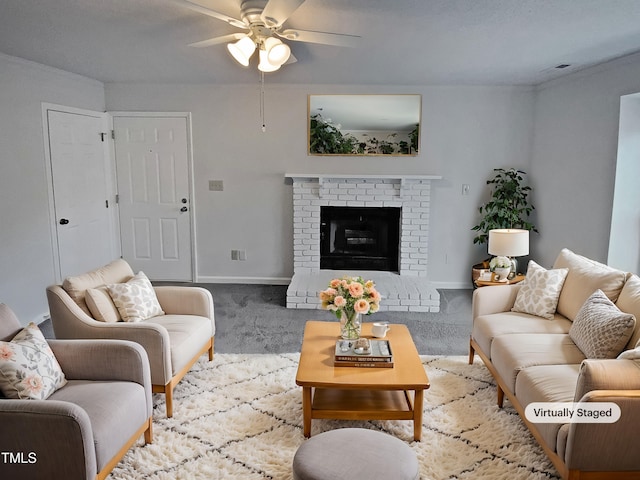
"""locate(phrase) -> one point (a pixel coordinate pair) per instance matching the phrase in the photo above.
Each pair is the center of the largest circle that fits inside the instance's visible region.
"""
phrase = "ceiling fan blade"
(291, 59)
(217, 40)
(276, 12)
(212, 13)
(324, 38)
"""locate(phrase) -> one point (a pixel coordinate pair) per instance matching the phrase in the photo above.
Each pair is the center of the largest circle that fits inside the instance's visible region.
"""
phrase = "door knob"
(63, 221)
(184, 200)
(184, 209)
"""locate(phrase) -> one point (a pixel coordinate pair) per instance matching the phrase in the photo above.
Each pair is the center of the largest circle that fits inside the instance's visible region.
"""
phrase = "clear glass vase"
(350, 325)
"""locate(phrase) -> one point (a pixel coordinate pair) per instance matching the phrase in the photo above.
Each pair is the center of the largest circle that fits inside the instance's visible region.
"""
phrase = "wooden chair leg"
(500, 396)
(168, 393)
(472, 353)
(148, 433)
(211, 351)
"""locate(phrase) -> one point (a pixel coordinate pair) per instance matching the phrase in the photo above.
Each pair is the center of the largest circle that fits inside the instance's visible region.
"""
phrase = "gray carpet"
(254, 319)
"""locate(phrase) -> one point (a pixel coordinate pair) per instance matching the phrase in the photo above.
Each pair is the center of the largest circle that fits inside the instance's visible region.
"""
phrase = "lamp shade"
(277, 52)
(509, 242)
(265, 65)
(242, 50)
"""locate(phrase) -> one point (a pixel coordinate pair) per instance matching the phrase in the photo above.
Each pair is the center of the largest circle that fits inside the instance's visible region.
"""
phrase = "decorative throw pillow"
(28, 368)
(101, 306)
(633, 354)
(136, 300)
(540, 291)
(600, 329)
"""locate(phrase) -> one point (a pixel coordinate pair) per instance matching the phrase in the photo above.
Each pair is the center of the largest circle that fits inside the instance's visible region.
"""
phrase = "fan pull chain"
(264, 125)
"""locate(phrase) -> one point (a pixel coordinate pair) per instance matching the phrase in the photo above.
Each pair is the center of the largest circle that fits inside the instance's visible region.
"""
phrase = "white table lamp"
(509, 242)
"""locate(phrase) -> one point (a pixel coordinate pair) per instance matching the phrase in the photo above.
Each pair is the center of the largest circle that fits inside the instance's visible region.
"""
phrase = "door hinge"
(113, 134)
(106, 203)
(117, 198)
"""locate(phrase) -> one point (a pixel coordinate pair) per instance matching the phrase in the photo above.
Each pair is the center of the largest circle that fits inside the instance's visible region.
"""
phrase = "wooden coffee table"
(360, 393)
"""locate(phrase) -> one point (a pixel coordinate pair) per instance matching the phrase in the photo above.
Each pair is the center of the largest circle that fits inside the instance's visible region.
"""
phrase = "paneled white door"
(81, 209)
(152, 165)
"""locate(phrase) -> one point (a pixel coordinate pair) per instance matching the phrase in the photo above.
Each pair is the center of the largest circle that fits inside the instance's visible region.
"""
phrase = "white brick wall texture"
(411, 195)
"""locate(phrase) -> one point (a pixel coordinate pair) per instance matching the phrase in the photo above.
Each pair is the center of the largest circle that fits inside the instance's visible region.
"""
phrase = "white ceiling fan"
(263, 22)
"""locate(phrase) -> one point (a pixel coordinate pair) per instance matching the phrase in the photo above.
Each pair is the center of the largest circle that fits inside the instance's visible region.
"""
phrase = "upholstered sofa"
(582, 350)
(77, 419)
(175, 332)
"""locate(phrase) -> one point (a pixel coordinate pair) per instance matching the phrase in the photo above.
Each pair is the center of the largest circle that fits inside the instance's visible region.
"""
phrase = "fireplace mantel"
(341, 176)
(404, 180)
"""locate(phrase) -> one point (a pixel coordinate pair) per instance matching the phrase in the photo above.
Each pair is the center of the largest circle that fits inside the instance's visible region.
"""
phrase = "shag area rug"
(240, 417)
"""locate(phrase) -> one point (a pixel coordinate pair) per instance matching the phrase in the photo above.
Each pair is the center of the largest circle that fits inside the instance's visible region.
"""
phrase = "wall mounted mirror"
(364, 124)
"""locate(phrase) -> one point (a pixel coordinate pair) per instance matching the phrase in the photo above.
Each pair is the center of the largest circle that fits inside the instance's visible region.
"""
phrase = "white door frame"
(111, 181)
(190, 174)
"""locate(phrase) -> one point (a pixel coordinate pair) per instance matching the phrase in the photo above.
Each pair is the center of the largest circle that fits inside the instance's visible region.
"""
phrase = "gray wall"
(26, 256)
(574, 158)
(466, 132)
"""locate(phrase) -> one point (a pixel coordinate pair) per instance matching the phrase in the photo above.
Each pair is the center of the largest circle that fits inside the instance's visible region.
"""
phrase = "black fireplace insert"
(362, 238)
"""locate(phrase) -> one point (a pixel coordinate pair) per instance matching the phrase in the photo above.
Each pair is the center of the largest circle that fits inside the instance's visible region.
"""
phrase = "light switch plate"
(216, 185)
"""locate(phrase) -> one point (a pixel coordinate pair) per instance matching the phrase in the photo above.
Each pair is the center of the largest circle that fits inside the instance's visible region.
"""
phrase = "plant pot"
(475, 271)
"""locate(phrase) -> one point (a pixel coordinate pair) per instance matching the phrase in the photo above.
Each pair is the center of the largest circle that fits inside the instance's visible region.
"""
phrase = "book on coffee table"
(379, 355)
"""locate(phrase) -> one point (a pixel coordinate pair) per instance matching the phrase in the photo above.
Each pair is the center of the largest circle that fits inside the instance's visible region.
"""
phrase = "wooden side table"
(517, 279)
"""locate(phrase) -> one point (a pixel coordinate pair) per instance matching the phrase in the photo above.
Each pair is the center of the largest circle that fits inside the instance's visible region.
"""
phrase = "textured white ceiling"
(404, 42)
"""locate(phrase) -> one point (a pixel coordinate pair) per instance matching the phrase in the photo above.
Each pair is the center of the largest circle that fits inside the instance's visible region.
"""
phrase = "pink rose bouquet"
(348, 298)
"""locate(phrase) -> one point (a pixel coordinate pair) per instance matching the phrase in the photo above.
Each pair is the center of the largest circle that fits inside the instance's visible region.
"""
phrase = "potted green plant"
(508, 207)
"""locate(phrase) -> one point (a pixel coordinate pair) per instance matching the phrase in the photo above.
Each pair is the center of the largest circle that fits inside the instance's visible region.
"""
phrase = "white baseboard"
(246, 280)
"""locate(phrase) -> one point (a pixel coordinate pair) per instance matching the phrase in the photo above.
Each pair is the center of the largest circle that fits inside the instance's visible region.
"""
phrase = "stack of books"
(377, 356)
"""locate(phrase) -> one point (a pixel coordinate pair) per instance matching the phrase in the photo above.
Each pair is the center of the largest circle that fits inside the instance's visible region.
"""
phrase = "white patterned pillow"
(136, 300)
(600, 329)
(28, 368)
(540, 291)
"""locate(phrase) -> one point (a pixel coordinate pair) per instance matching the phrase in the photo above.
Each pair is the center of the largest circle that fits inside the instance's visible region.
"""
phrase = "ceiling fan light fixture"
(265, 65)
(242, 50)
(277, 52)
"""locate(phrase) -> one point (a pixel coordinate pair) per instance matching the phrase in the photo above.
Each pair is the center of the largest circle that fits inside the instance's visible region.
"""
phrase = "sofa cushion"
(585, 277)
(629, 302)
(512, 353)
(101, 305)
(488, 327)
(28, 368)
(547, 383)
(540, 291)
(116, 410)
(600, 329)
(114, 272)
(136, 300)
(187, 333)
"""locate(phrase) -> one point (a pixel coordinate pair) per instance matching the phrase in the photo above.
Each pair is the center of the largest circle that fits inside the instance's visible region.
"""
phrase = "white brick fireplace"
(407, 290)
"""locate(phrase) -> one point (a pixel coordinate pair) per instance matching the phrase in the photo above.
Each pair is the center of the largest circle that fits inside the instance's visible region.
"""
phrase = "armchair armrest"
(185, 301)
(50, 436)
(493, 299)
(120, 360)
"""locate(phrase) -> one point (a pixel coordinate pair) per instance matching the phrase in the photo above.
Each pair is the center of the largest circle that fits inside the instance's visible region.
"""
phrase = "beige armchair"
(173, 341)
(84, 428)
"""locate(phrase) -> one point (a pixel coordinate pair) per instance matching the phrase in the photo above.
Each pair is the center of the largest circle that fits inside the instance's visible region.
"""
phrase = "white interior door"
(80, 188)
(152, 165)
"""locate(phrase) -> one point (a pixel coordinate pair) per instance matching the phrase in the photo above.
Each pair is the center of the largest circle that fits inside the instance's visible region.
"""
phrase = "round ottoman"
(355, 453)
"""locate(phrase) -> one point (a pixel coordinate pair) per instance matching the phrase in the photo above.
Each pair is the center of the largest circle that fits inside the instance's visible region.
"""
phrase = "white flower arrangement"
(499, 262)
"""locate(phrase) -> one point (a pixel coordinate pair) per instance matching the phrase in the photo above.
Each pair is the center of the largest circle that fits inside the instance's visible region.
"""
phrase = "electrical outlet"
(216, 185)
(466, 188)
(239, 255)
